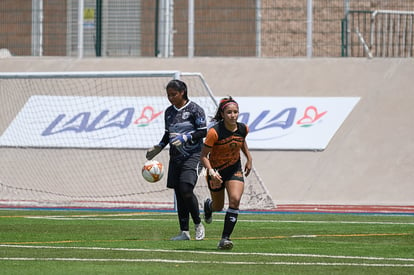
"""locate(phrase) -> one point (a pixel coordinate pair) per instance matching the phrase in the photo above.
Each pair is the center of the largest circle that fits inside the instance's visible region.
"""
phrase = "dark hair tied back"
(222, 104)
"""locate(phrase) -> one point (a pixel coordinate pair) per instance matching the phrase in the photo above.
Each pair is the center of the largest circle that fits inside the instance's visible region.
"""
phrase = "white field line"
(331, 222)
(207, 252)
(240, 220)
(96, 217)
(205, 262)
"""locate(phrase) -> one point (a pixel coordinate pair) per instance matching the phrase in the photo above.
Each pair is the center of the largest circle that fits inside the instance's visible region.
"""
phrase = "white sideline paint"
(255, 221)
(204, 262)
(207, 252)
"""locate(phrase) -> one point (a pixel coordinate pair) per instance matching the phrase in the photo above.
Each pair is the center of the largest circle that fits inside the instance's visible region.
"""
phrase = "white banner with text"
(276, 123)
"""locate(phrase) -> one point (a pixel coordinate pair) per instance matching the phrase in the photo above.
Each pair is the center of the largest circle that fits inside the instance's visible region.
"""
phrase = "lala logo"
(284, 119)
(147, 115)
(266, 125)
(310, 116)
(86, 122)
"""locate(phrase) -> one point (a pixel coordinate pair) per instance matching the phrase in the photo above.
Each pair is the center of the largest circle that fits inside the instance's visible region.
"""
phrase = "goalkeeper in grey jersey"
(185, 128)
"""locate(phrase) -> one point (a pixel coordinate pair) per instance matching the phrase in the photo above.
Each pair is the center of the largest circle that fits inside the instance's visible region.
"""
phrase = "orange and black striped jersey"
(225, 145)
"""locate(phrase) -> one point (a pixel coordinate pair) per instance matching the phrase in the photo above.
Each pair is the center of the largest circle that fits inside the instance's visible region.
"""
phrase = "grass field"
(124, 242)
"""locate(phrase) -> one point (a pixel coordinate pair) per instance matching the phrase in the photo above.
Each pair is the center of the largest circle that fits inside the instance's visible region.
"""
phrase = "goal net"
(78, 139)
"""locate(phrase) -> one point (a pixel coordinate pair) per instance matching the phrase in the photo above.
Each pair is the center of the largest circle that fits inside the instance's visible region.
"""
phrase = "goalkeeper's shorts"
(183, 171)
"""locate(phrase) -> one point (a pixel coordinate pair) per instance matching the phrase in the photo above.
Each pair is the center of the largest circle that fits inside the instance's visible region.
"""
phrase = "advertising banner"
(293, 123)
(275, 123)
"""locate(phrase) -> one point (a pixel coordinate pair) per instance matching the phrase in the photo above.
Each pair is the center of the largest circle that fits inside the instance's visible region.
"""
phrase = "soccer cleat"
(225, 244)
(208, 213)
(182, 236)
(199, 232)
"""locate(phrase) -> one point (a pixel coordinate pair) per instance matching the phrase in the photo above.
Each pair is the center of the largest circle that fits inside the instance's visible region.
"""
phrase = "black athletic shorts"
(184, 170)
(233, 172)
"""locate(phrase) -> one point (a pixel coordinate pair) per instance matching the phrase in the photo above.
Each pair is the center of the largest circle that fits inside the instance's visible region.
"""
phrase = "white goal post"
(78, 139)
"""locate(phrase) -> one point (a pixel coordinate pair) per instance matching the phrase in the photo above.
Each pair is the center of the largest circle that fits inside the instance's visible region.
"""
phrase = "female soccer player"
(185, 128)
(221, 157)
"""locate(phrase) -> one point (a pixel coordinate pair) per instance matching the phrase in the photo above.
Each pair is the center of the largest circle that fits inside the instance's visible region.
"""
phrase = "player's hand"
(247, 168)
(180, 139)
(153, 151)
(215, 179)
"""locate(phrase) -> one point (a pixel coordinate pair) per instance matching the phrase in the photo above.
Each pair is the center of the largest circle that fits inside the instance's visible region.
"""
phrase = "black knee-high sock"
(192, 205)
(187, 204)
(190, 201)
(182, 211)
(230, 221)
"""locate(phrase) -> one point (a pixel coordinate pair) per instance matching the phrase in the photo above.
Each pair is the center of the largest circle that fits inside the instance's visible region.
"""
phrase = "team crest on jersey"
(186, 115)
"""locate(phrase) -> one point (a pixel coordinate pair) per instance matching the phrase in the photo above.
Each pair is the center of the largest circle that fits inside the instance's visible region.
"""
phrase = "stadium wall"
(370, 159)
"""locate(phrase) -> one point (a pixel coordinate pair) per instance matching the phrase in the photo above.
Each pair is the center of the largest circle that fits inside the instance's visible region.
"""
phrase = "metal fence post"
(190, 28)
(37, 27)
(98, 19)
(81, 4)
(309, 29)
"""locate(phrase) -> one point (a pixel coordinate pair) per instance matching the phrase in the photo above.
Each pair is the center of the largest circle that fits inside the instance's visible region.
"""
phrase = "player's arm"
(156, 149)
(205, 151)
(213, 176)
(199, 134)
(204, 158)
(246, 152)
(207, 148)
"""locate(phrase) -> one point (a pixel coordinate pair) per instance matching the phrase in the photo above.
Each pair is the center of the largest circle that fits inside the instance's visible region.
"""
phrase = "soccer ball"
(152, 171)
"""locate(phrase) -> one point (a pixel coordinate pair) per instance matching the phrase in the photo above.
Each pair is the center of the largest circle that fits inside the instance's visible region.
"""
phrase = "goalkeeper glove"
(181, 139)
(153, 151)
